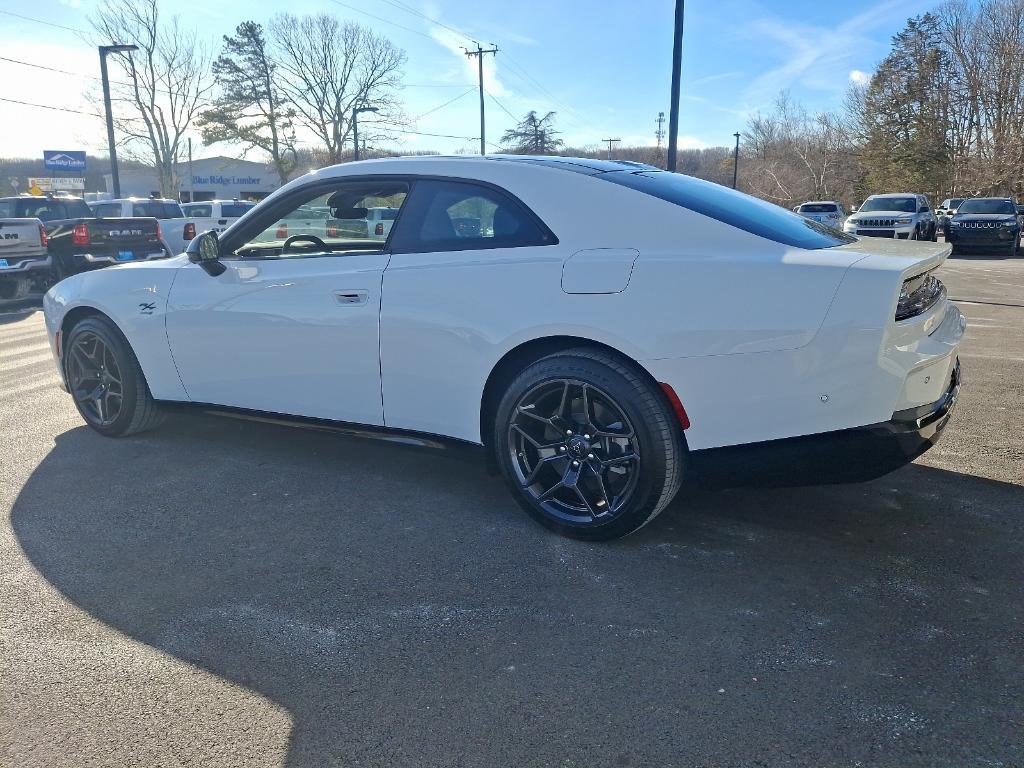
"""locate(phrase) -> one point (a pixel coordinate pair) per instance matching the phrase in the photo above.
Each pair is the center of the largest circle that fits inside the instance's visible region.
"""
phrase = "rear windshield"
(898, 204)
(157, 209)
(731, 207)
(44, 209)
(817, 208)
(388, 214)
(204, 211)
(234, 210)
(987, 205)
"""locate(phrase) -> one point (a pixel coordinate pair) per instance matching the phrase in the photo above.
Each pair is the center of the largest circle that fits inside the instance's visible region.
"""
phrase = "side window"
(322, 221)
(457, 215)
(199, 211)
(107, 210)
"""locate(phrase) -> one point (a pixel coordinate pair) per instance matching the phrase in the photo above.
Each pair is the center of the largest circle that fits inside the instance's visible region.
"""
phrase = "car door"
(292, 324)
(469, 262)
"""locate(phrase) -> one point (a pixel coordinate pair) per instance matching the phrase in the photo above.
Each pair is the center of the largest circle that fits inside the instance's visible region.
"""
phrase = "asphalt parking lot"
(228, 593)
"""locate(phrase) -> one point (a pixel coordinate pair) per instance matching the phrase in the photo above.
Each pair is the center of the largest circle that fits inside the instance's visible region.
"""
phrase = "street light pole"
(736, 160)
(677, 63)
(355, 128)
(115, 179)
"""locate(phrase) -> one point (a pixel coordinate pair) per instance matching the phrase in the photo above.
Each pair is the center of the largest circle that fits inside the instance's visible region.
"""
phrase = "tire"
(935, 233)
(14, 288)
(914, 235)
(116, 411)
(1014, 246)
(628, 471)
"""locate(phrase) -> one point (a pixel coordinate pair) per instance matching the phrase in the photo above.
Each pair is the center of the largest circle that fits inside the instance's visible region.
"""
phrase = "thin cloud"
(456, 45)
(859, 78)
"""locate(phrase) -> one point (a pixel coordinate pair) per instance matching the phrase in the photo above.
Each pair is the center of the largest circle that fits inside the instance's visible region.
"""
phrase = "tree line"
(942, 114)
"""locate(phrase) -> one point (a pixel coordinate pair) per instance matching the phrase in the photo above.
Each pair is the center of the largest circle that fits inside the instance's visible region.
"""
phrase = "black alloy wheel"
(94, 379)
(574, 450)
(105, 380)
(588, 444)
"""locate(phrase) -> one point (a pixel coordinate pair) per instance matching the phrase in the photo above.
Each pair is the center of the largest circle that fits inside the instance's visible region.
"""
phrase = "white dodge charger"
(516, 305)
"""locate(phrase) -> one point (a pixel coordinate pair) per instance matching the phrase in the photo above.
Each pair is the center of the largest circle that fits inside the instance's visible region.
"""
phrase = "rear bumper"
(27, 265)
(844, 456)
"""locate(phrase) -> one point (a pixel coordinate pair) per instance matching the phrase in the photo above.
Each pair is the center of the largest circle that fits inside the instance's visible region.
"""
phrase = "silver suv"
(906, 215)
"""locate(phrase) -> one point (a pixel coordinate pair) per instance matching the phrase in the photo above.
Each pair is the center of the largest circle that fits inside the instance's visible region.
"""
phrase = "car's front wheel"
(588, 445)
(105, 380)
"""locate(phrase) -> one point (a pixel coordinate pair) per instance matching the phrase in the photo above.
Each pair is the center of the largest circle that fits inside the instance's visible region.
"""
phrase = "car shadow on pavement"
(405, 611)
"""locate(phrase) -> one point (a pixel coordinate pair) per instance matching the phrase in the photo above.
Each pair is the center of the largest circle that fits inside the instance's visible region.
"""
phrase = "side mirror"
(204, 250)
(923, 209)
(853, 209)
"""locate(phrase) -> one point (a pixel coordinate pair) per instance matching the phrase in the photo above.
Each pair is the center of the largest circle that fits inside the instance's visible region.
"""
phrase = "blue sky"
(603, 67)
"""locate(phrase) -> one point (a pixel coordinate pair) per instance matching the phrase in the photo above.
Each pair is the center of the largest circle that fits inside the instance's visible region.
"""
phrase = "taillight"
(44, 239)
(159, 232)
(379, 229)
(332, 230)
(282, 231)
(80, 234)
(190, 231)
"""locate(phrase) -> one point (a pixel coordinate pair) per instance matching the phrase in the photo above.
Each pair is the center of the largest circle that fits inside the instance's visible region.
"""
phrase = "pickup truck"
(216, 215)
(24, 260)
(177, 230)
(79, 241)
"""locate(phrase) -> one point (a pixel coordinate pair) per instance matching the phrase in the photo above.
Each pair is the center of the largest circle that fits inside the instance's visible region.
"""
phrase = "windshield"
(987, 205)
(817, 208)
(901, 204)
(728, 206)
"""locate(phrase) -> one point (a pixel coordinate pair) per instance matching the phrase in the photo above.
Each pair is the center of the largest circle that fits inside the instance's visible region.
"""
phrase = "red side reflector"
(80, 234)
(677, 405)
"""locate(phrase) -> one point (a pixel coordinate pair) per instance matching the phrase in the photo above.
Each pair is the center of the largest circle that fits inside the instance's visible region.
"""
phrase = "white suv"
(906, 216)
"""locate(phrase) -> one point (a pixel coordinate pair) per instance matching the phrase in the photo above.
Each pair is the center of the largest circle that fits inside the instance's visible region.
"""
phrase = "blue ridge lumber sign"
(64, 160)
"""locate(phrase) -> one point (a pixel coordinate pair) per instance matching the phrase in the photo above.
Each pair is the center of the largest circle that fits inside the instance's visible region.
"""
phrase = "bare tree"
(249, 108)
(328, 67)
(160, 88)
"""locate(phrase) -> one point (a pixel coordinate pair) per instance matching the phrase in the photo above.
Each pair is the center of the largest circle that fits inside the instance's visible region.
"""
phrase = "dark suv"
(985, 223)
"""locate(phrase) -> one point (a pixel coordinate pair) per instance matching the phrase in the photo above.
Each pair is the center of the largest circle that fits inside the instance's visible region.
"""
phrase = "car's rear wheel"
(105, 380)
(588, 445)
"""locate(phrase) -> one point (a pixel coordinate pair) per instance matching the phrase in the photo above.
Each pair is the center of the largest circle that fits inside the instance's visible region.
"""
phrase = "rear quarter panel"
(699, 289)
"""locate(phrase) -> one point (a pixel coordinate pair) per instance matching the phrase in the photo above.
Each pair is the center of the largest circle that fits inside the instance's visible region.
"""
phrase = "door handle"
(349, 298)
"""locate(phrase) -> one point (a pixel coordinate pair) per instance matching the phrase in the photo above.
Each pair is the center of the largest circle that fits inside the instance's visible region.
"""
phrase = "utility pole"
(610, 146)
(677, 64)
(736, 159)
(115, 179)
(479, 53)
(660, 133)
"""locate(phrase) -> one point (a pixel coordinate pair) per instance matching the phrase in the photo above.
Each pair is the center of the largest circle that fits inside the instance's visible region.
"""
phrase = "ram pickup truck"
(216, 214)
(78, 241)
(24, 260)
(177, 230)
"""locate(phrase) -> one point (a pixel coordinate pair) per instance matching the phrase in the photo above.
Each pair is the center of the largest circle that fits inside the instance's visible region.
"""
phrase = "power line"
(381, 18)
(40, 21)
(502, 106)
(442, 106)
(55, 109)
(409, 9)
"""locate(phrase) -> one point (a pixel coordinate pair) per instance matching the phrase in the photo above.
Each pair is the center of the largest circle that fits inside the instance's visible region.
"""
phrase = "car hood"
(984, 216)
(880, 215)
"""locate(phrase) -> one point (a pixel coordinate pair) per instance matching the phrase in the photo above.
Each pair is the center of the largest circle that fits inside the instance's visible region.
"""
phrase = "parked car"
(945, 211)
(599, 365)
(176, 230)
(79, 241)
(826, 211)
(24, 260)
(906, 216)
(986, 223)
(216, 215)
